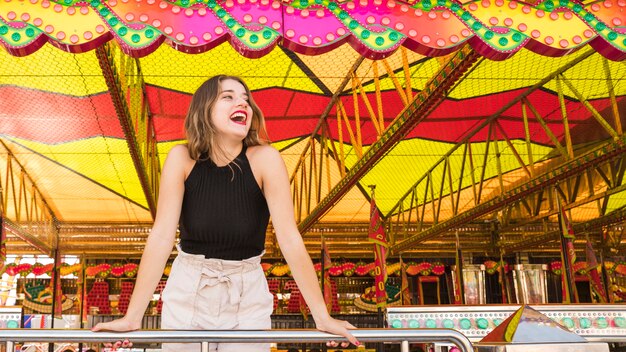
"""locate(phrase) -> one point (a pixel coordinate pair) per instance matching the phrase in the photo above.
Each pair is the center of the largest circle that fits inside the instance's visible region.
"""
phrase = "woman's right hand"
(120, 325)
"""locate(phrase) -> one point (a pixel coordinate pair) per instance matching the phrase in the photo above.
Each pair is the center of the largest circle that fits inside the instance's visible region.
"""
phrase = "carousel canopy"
(477, 119)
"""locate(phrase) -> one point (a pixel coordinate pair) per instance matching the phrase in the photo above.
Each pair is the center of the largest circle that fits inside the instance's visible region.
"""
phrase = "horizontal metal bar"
(604, 338)
(239, 336)
(578, 307)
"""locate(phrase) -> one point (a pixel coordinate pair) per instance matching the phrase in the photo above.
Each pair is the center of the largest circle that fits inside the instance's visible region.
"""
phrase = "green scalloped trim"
(18, 37)
(616, 39)
(510, 41)
(253, 39)
(139, 38)
(377, 41)
(258, 39)
(134, 38)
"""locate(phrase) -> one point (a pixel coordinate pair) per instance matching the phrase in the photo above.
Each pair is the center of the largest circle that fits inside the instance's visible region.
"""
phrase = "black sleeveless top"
(224, 213)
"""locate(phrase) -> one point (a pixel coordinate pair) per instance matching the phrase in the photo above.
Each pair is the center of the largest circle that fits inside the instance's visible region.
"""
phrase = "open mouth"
(239, 117)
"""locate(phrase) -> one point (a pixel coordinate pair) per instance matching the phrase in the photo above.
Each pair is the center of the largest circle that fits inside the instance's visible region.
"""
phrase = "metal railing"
(402, 336)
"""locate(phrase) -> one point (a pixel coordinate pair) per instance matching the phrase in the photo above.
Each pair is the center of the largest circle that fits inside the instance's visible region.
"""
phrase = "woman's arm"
(159, 244)
(275, 183)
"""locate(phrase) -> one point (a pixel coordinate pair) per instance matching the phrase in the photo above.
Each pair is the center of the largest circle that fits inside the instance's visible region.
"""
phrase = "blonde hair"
(199, 128)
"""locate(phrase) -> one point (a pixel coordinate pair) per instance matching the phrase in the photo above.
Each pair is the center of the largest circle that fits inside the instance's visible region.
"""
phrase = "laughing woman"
(220, 190)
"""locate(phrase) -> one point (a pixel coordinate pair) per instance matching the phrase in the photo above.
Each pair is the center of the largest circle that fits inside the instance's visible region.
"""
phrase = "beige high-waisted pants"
(215, 294)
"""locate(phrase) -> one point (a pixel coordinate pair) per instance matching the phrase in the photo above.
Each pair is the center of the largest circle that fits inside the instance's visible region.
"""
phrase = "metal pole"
(404, 346)
(380, 347)
(322, 274)
(81, 287)
(53, 283)
(459, 270)
(302, 326)
(568, 279)
(605, 278)
(54, 278)
(205, 347)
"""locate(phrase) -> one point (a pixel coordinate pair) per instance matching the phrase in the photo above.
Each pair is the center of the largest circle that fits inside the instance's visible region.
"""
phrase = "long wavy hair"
(199, 128)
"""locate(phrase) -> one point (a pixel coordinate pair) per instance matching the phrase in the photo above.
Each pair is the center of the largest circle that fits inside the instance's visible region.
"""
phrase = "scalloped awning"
(374, 28)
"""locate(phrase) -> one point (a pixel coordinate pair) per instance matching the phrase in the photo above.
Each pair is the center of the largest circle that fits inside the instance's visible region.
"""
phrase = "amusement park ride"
(482, 124)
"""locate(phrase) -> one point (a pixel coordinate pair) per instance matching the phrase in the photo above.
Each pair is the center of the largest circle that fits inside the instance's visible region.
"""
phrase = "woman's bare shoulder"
(263, 153)
(179, 151)
(264, 160)
(179, 154)
(179, 157)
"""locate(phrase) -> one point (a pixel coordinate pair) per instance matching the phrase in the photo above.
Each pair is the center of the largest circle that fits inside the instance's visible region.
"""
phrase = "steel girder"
(415, 111)
(411, 207)
(609, 155)
(34, 220)
(124, 79)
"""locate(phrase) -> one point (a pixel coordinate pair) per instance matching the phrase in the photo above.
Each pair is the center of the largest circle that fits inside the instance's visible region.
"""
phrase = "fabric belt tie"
(213, 277)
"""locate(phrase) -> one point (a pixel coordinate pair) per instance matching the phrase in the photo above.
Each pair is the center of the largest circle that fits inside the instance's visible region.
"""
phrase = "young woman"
(220, 190)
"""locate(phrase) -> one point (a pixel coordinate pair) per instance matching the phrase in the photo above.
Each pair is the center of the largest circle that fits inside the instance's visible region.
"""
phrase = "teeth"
(238, 116)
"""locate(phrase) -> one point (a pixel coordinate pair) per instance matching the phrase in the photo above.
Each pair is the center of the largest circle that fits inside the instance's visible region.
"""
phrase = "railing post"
(205, 347)
(404, 347)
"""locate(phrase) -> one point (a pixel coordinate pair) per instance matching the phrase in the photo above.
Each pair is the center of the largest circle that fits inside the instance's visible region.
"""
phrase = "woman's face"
(232, 114)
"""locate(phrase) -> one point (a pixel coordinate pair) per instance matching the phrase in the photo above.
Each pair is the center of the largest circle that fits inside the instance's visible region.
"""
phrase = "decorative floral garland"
(281, 269)
(556, 267)
(619, 268)
(581, 267)
(493, 267)
(96, 270)
(424, 268)
(360, 269)
(363, 269)
(116, 270)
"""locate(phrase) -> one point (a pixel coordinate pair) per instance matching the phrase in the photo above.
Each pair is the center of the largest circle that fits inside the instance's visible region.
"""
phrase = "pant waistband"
(227, 266)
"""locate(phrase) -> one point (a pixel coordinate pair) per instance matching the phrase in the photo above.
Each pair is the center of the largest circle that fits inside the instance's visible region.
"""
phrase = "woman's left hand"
(337, 327)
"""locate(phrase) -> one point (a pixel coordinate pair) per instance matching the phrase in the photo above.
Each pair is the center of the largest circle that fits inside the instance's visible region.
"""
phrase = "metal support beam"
(618, 177)
(610, 86)
(614, 217)
(27, 237)
(146, 167)
(607, 126)
(326, 111)
(534, 218)
(591, 159)
(27, 213)
(487, 122)
(29, 198)
(417, 110)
